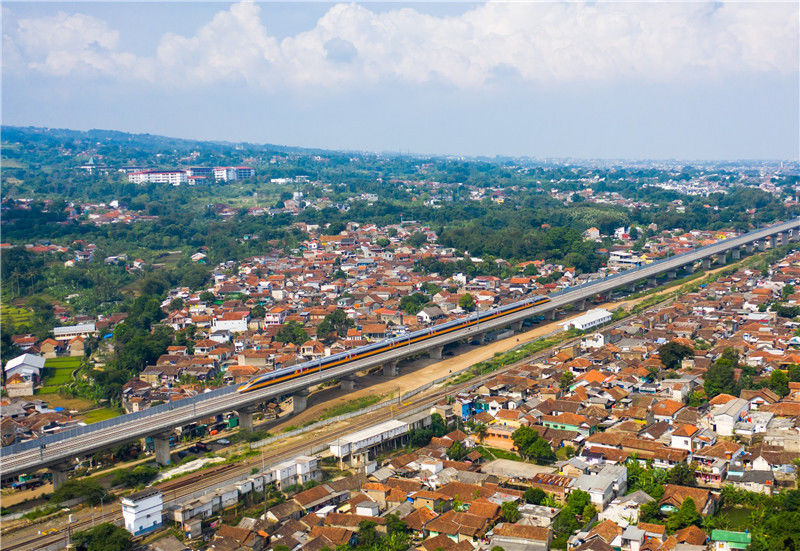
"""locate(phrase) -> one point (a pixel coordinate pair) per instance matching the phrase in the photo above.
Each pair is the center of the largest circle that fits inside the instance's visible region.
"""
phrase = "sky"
(596, 79)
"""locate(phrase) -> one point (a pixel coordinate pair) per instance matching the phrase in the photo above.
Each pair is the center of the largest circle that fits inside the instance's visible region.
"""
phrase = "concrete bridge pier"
(390, 369)
(773, 241)
(60, 475)
(436, 352)
(784, 237)
(161, 444)
(707, 263)
(299, 401)
(348, 384)
(652, 282)
(672, 274)
(762, 245)
(551, 315)
(581, 304)
(517, 325)
(246, 418)
(748, 248)
(736, 254)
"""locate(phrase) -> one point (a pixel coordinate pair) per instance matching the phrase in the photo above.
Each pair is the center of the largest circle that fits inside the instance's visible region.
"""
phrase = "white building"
(590, 319)
(725, 416)
(235, 322)
(363, 440)
(230, 173)
(142, 511)
(299, 470)
(623, 260)
(69, 332)
(173, 177)
(27, 366)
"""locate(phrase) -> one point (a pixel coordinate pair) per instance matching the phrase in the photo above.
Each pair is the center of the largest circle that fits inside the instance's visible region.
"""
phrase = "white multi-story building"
(363, 440)
(230, 173)
(142, 511)
(173, 177)
(624, 260)
(299, 470)
(69, 332)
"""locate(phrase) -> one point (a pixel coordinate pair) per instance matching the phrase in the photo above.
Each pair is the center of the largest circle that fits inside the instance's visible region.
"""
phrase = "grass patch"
(736, 518)
(100, 414)
(71, 362)
(490, 454)
(350, 406)
(511, 357)
(57, 373)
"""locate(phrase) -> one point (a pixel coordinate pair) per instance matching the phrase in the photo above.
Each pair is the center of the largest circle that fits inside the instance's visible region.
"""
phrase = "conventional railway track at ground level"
(216, 476)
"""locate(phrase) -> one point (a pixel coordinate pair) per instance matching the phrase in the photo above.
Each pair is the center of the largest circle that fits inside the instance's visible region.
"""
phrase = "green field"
(100, 414)
(17, 316)
(58, 372)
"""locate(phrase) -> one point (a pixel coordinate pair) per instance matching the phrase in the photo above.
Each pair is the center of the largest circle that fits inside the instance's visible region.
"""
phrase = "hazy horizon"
(616, 81)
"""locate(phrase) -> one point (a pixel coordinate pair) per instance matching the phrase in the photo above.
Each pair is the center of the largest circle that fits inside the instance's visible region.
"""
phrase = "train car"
(288, 373)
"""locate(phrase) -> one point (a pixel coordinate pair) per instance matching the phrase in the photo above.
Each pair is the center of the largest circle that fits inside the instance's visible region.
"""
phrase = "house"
(77, 347)
(429, 314)
(626, 508)
(761, 482)
(725, 416)
(518, 537)
(725, 540)
(241, 539)
(674, 496)
(50, 348)
(681, 438)
(142, 511)
(611, 481)
(27, 366)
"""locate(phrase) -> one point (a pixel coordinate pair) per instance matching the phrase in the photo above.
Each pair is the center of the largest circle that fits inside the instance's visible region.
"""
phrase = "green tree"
(466, 302)
(412, 304)
(457, 451)
(566, 379)
(687, 514)
(103, 537)
(672, 353)
(367, 536)
(176, 304)
(510, 511)
(681, 474)
(382, 242)
(720, 377)
(416, 240)
(293, 332)
(207, 297)
(578, 500)
(535, 496)
(779, 382)
(438, 426)
(529, 444)
(258, 312)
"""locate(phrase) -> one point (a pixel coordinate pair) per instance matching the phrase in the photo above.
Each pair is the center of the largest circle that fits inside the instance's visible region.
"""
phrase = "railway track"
(177, 489)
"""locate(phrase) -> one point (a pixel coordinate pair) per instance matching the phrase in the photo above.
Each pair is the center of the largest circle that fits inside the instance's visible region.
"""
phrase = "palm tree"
(481, 430)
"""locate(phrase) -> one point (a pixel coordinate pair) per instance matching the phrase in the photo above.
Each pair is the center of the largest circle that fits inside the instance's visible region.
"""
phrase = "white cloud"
(353, 45)
(64, 43)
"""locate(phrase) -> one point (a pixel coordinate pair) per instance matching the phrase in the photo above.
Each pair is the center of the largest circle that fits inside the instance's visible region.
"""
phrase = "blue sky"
(590, 80)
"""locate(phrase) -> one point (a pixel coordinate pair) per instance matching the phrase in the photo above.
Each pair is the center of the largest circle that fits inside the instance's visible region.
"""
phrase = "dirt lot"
(425, 370)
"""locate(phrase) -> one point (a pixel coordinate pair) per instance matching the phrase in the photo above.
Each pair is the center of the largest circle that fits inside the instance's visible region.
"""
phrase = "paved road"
(65, 450)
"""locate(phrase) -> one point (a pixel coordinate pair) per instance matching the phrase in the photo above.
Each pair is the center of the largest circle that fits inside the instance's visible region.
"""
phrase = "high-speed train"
(299, 370)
